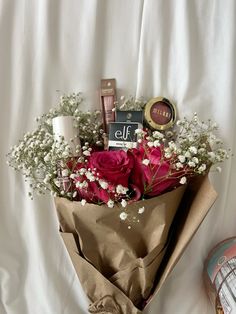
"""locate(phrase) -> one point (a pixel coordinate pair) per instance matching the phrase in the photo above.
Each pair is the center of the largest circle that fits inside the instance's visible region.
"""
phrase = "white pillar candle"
(63, 126)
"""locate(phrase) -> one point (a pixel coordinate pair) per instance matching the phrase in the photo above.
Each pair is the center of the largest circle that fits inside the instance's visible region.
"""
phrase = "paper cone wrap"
(120, 268)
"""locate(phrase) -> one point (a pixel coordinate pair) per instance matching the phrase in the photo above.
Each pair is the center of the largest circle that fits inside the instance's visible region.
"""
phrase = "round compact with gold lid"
(160, 113)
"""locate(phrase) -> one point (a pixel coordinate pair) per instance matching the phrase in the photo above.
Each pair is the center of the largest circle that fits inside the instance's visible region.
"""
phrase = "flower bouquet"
(126, 213)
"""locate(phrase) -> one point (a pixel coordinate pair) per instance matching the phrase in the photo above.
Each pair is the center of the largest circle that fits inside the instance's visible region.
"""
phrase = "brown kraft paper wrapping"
(119, 268)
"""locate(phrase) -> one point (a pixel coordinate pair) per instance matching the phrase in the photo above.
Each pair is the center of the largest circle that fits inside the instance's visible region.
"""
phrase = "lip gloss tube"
(108, 98)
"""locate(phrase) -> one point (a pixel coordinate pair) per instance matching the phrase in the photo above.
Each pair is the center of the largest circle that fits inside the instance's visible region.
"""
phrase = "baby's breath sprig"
(37, 154)
(89, 123)
(198, 144)
(130, 103)
(190, 148)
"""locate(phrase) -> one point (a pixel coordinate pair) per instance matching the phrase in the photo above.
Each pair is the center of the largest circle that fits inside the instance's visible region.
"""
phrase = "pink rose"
(112, 166)
(152, 174)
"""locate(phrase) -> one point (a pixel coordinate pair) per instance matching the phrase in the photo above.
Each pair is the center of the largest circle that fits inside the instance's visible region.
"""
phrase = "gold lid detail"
(160, 113)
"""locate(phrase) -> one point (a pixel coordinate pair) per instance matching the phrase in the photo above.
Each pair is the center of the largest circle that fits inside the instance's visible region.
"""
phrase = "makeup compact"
(160, 113)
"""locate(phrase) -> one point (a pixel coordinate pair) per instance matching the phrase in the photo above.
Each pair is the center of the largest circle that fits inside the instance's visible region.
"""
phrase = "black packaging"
(129, 116)
(122, 135)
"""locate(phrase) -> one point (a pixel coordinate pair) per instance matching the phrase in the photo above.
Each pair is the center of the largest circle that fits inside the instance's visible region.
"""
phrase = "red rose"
(156, 176)
(112, 166)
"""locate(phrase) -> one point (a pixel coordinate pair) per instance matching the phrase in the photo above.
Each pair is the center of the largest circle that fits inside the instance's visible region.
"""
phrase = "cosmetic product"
(108, 98)
(129, 116)
(122, 135)
(160, 113)
(63, 128)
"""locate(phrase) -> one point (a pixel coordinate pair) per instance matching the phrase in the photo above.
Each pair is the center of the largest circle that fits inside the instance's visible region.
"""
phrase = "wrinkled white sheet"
(184, 50)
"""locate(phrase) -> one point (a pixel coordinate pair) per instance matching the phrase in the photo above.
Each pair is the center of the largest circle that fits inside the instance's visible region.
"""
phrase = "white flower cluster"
(36, 157)
(84, 176)
(130, 103)
(88, 122)
(37, 154)
(198, 146)
(125, 215)
(191, 148)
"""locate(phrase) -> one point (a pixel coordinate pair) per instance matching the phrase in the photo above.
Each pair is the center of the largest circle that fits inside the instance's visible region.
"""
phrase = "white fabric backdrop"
(184, 50)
